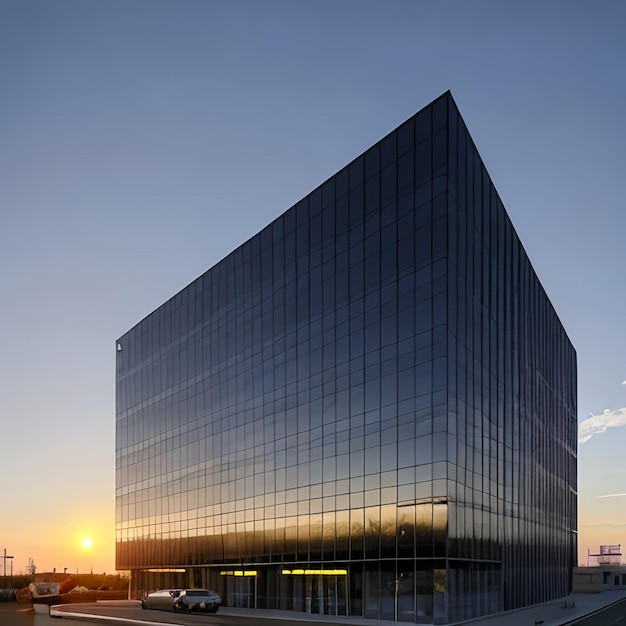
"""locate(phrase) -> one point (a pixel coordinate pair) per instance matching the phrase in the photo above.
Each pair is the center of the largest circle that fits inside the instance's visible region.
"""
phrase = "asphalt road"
(18, 614)
(12, 614)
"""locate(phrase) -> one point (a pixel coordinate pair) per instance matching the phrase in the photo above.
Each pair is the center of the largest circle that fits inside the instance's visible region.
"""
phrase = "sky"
(141, 141)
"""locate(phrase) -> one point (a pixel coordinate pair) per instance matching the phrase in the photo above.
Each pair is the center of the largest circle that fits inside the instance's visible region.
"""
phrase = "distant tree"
(21, 581)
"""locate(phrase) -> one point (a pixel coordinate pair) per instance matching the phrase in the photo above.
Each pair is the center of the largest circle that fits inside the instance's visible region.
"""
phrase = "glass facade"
(369, 408)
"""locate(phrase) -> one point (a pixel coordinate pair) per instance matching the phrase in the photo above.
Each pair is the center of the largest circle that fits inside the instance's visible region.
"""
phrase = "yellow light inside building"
(315, 572)
(167, 571)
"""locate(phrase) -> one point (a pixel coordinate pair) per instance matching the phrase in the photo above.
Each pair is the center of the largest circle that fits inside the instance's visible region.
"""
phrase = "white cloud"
(597, 424)
(613, 495)
(624, 383)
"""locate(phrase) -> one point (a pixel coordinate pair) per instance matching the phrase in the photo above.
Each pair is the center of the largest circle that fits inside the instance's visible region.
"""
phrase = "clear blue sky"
(142, 140)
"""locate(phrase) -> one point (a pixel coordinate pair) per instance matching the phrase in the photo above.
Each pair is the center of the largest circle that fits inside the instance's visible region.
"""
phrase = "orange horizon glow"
(56, 542)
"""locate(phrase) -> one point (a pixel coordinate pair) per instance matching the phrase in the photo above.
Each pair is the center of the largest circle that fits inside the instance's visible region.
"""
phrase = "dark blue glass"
(335, 418)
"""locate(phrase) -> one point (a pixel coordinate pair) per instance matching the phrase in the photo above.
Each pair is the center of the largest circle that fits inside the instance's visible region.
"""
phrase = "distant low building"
(604, 571)
(599, 578)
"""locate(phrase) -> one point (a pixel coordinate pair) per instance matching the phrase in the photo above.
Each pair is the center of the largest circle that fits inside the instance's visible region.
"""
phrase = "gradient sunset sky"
(143, 140)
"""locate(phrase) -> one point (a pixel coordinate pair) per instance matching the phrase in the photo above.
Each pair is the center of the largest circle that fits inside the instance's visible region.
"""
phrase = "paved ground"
(13, 614)
(131, 613)
(555, 613)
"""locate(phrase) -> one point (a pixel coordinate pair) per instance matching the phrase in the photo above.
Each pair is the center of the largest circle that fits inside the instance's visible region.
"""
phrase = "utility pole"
(5, 557)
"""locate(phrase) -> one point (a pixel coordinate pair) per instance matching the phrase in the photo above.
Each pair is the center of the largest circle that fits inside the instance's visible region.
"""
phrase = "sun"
(87, 543)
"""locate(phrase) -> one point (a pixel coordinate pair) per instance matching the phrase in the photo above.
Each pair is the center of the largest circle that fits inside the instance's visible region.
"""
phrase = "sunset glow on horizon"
(142, 144)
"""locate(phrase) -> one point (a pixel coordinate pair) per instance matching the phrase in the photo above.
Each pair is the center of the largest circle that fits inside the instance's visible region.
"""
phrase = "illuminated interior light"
(315, 572)
(239, 572)
(167, 571)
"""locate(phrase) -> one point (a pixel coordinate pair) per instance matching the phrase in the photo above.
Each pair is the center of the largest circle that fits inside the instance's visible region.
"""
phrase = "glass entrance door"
(327, 595)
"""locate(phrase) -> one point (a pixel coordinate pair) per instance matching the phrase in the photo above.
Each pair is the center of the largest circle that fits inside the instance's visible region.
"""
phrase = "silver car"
(182, 600)
(161, 599)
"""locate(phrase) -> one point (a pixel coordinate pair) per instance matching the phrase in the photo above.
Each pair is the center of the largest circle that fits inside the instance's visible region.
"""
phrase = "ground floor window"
(409, 590)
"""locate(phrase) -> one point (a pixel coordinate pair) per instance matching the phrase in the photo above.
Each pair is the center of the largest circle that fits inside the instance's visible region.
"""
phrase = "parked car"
(182, 600)
(7, 595)
(161, 599)
(197, 600)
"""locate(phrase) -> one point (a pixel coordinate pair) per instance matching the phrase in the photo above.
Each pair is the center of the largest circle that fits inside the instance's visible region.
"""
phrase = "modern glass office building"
(369, 408)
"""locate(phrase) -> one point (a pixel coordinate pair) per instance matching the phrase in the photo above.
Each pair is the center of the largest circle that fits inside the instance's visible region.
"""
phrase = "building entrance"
(327, 594)
(318, 592)
(240, 588)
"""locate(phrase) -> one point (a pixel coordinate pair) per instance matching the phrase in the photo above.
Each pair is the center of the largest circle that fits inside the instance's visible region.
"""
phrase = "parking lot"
(130, 612)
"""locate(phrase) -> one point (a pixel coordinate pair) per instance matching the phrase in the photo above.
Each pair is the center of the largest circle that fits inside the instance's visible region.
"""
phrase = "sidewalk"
(554, 613)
